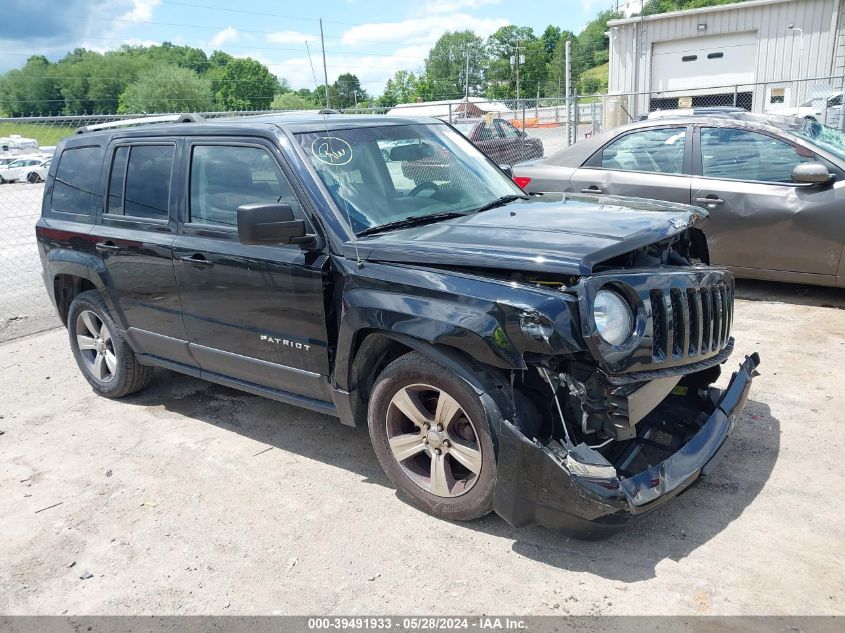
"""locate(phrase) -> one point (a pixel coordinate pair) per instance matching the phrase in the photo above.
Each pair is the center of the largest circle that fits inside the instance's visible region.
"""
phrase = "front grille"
(690, 323)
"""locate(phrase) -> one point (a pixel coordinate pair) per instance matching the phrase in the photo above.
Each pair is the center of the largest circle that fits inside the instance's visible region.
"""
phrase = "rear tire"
(432, 436)
(101, 352)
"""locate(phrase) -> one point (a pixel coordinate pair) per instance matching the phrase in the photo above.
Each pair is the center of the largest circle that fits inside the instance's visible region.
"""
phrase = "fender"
(466, 328)
(84, 266)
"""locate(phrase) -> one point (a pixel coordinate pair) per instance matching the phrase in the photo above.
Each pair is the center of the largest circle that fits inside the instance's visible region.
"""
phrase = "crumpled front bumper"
(535, 486)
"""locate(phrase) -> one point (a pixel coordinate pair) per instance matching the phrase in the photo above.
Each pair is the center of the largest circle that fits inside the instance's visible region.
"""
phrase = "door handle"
(197, 259)
(107, 247)
(592, 189)
(710, 201)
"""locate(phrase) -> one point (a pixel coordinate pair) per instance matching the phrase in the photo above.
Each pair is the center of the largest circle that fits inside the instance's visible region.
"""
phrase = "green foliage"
(292, 101)
(446, 65)
(30, 90)
(347, 92)
(246, 84)
(90, 82)
(401, 88)
(653, 7)
(167, 88)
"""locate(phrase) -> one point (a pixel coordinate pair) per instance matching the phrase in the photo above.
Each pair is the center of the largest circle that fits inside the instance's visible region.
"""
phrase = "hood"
(552, 233)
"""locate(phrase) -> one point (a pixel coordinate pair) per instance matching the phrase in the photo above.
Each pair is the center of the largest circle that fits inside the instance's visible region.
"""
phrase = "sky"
(368, 38)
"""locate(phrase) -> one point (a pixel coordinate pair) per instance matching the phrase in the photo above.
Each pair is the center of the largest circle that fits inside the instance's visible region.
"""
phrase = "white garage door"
(699, 62)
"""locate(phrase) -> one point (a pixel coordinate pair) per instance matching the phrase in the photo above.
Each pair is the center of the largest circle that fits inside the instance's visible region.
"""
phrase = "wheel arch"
(71, 273)
(373, 349)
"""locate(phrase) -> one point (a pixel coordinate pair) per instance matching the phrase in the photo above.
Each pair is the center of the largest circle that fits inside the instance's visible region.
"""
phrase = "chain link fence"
(509, 132)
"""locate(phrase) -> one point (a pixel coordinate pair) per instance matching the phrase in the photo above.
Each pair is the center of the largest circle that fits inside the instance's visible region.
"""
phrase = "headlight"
(613, 317)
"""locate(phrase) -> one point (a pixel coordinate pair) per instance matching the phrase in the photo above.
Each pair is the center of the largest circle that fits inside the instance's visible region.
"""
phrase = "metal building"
(763, 55)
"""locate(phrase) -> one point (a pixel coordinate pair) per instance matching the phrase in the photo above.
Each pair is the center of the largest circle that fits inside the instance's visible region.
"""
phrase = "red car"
(501, 141)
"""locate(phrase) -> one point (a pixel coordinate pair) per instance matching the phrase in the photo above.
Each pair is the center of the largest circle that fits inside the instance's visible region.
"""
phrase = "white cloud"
(142, 10)
(419, 30)
(227, 35)
(291, 37)
(453, 6)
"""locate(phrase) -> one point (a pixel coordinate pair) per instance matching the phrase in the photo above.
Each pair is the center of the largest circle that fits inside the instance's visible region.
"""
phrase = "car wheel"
(33, 178)
(432, 436)
(103, 355)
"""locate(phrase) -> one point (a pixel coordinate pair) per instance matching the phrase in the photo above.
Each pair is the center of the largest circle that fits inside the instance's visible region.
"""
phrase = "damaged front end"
(598, 439)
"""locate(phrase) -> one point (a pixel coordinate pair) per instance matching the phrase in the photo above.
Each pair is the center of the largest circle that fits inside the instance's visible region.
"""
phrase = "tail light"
(522, 181)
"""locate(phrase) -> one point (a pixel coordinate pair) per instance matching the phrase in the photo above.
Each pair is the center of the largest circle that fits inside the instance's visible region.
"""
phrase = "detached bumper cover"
(534, 487)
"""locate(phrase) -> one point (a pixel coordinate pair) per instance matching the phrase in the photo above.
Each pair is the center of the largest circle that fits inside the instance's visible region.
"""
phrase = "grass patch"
(595, 78)
(48, 134)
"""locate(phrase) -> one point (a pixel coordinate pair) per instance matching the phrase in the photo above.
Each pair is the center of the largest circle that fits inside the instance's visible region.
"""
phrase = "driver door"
(253, 313)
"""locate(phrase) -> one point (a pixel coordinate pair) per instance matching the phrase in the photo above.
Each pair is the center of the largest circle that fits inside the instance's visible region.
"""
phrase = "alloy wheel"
(433, 440)
(95, 346)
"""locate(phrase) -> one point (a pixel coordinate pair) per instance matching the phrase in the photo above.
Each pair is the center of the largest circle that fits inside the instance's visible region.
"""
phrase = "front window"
(383, 175)
(827, 138)
(738, 154)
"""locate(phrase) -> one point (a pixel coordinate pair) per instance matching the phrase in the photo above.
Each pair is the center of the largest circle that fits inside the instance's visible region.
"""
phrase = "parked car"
(822, 109)
(773, 186)
(21, 168)
(500, 141)
(37, 173)
(551, 358)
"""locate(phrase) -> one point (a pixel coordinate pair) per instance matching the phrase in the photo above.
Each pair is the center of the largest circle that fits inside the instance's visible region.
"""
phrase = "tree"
(347, 91)
(292, 101)
(556, 68)
(246, 84)
(30, 90)
(501, 71)
(592, 43)
(401, 88)
(551, 36)
(446, 65)
(167, 88)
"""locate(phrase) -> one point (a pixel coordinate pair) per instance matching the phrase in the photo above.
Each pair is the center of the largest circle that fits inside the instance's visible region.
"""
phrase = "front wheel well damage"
(374, 350)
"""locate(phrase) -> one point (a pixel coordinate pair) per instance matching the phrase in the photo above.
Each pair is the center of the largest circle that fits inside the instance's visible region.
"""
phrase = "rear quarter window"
(77, 181)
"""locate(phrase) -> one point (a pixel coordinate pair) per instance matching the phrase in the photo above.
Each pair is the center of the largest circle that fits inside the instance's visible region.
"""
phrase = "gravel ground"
(193, 498)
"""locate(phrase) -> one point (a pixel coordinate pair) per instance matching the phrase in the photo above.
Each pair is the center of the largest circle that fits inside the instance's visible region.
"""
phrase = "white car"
(30, 169)
(825, 110)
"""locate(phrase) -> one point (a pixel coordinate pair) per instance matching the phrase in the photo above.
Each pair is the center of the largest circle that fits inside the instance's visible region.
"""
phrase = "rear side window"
(659, 151)
(75, 189)
(139, 181)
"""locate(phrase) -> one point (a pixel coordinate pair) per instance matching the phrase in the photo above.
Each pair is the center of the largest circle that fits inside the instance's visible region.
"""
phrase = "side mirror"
(507, 169)
(811, 173)
(264, 223)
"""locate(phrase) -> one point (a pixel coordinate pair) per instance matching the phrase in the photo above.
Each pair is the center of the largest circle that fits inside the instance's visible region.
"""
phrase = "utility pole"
(325, 71)
(466, 79)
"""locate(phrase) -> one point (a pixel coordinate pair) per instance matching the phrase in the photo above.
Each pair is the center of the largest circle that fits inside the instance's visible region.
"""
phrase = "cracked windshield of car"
(382, 175)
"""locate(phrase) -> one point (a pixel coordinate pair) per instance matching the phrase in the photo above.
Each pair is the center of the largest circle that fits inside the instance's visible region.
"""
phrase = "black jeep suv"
(547, 357)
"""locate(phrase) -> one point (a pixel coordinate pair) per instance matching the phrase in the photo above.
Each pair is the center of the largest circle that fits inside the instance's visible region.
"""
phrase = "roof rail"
(165, 118)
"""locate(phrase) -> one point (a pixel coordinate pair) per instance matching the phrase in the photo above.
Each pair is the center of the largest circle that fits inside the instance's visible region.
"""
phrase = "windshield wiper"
(500, 202)
(415, 220)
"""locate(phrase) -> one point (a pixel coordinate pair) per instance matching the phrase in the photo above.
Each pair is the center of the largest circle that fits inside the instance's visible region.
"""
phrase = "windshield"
(381, 175)
(827, 138)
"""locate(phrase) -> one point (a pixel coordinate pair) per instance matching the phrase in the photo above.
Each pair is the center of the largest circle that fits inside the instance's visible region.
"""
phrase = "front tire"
(432, 436)
(33, 178)
(101, 352)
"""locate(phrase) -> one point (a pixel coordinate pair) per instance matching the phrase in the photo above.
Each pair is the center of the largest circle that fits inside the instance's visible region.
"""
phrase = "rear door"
(253, 313)
(134, 235)
(646, 163)
(760, 218)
